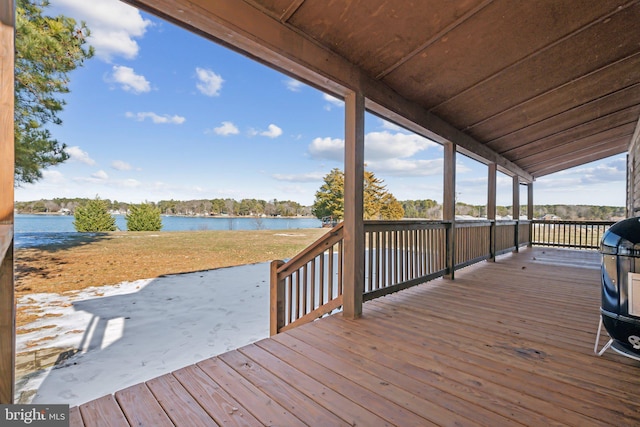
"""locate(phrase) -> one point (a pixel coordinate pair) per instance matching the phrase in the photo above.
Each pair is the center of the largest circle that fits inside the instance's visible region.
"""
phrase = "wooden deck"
(506, 343)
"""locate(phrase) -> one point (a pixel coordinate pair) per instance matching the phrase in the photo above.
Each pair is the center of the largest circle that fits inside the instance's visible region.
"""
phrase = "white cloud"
(383, 145)
(272, 131)
(155, 118)
(121, 165)
(327, 148)
(101, 175)
(210, 83)
(305, 177)
(52, 176)
(407, 167)
(129, 80)
(607, 171)
(78, 155)
(227, 128)
(385, 152)
(391, 126)
(129, 183)
(333, 100)
(114, 25)
(293, 85)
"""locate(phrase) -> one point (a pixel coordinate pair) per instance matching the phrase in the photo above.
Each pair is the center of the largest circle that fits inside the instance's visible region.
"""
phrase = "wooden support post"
(449, 205)
(515, 212)
(7, 297)
(491, 208)
(6, 112)
(353, 206)
(530, 210)
(530, 201)
(276, 311)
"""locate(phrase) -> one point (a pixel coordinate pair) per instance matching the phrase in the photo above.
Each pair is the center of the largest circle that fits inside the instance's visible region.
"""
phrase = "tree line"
(200, 207)
(424, 209)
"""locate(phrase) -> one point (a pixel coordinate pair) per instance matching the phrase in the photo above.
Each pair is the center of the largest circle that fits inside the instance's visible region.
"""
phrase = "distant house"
(551, 217)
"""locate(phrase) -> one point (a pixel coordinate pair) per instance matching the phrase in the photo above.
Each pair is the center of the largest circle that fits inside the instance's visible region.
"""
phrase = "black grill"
(620, 248)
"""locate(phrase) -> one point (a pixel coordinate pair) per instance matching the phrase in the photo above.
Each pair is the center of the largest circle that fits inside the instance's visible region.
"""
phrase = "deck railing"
(398, 254)
(309, 285)
(569, 234)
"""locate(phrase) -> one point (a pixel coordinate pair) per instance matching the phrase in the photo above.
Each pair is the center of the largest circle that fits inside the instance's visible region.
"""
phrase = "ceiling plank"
(594, 85)
(437, 36)
(576, 133)
(616, 101)
(293, 7)
(495, 39)
(612, 39)
(245, 29)
(590, 143)
(580, 159)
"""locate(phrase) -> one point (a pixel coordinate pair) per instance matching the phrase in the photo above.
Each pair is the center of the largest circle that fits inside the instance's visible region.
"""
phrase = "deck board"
(177, 403)
(506, 343)
(223, 408)
(103, 411)
(141, 407)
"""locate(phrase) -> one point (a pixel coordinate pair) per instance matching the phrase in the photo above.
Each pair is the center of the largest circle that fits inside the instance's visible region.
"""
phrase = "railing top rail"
(382, 225)
(403, 221)
(315, 249)
(472, 223)
(579, 222)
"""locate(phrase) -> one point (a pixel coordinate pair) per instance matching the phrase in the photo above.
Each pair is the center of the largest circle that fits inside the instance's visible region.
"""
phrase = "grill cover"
(620, 248)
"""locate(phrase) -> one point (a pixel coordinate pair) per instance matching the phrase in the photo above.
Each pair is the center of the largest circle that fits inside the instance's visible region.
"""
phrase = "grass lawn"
(112, 258)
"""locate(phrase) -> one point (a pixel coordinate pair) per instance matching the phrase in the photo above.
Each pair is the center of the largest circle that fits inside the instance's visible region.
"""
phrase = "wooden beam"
(492, 191)
(530, 201)
(492, 179)
(449, 204)
(290, 10)
(633, 150)
(7, 166)
(515, 211)
(245, 29)
(354, 245)
(7, 298)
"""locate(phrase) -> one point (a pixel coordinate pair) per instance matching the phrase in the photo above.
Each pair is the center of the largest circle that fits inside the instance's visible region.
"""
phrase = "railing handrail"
(579, 221)
(313, 250)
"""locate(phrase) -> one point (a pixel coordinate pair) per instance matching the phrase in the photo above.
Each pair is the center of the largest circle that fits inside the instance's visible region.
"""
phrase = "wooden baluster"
(312, 277)
(330, 279)
(277, 304)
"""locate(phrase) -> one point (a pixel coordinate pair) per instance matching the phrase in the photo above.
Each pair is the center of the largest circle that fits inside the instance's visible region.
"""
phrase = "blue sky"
(160, 113)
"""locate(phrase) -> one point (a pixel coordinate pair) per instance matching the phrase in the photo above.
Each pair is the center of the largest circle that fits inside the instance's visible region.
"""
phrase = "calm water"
(35, 230)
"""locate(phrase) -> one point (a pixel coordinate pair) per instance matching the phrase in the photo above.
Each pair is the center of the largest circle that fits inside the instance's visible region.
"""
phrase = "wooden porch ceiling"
(536, 87)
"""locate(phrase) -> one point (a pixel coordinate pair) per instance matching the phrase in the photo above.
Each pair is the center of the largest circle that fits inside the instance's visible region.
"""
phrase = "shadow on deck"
(506, 343)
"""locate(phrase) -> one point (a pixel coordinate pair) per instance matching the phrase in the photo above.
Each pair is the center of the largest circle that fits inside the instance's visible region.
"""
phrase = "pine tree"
(94, 217)
(47, 50)
(330, 197)
(378, 202)
(143, 217)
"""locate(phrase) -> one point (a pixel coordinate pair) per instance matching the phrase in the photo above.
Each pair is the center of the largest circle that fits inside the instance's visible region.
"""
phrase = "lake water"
(35, 230)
